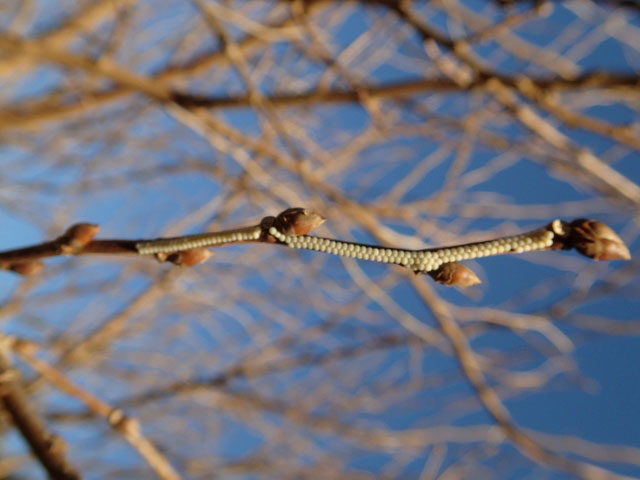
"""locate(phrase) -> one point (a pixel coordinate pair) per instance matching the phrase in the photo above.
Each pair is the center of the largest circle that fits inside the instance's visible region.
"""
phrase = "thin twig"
(126, 426)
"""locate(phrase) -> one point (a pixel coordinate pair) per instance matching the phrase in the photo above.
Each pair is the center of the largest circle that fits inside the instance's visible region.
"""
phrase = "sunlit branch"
(290, 228)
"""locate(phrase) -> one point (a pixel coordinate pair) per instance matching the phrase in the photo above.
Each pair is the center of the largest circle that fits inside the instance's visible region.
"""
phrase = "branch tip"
(596, 240)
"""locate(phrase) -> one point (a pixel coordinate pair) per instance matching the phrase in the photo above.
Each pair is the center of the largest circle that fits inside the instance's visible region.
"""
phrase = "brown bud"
(189, 258)
(298, 221)
(77, 236)
(455, 274)
(597, 241)
(28, 267)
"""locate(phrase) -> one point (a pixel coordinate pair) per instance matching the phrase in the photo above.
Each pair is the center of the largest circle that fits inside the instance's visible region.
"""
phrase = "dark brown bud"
(77, 236)
(455, 274)
(597, 241)
(28, 267)
(189, 258)
(298, 221)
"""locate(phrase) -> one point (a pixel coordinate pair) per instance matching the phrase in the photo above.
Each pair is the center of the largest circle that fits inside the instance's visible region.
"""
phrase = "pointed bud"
(455, 274)
(189, 258)
(77, 236)
(298, 221)
(29, 267)
(597, 241)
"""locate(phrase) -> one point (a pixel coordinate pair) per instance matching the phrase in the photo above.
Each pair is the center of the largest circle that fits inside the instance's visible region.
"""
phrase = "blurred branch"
(124, 425)
(597, 170)
(81, 22)
(35, 112)
(470, 365)
(48, 448)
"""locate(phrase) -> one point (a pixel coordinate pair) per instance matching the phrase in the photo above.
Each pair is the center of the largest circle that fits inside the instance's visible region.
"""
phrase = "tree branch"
(592, 239)
(48, 448)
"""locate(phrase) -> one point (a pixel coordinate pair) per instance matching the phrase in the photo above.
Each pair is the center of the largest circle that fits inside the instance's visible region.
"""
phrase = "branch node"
(265, 224)
(115, 417)
(56, 445)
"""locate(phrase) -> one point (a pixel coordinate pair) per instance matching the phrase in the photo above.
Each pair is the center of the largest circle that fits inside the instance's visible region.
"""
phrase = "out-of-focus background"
(406, 124)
